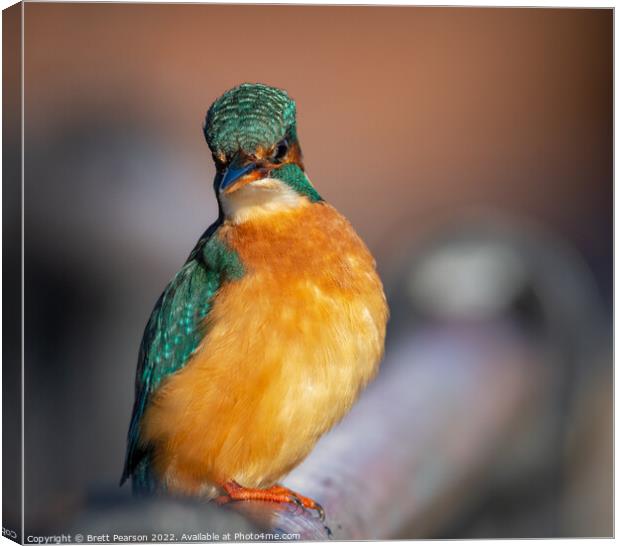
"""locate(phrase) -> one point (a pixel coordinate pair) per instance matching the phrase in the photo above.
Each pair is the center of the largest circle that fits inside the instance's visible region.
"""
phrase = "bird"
(268, 333)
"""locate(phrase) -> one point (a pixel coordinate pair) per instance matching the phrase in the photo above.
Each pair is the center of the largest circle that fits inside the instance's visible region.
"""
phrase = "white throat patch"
(260, 198)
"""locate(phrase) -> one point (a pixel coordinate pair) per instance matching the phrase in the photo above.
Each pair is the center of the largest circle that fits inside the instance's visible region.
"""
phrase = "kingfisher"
(268, 333)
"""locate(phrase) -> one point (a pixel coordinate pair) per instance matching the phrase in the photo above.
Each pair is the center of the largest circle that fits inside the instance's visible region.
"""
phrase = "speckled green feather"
(249, 116)
(173, 332)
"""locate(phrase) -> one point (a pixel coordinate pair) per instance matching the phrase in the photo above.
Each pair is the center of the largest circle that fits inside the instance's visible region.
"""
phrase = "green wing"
(172, 333)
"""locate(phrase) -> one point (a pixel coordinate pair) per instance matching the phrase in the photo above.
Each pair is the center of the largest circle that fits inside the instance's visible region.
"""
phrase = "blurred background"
(470, 148)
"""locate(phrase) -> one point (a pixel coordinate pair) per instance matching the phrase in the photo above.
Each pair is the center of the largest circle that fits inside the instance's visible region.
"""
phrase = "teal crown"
(249, 116)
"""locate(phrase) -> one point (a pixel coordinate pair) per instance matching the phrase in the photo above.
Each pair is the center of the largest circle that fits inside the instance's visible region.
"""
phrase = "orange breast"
(289, 346)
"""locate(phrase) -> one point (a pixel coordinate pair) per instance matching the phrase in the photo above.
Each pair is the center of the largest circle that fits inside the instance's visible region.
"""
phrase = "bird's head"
(251, 131)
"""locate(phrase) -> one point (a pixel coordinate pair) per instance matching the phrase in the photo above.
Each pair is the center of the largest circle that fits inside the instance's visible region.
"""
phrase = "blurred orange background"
(404, 113)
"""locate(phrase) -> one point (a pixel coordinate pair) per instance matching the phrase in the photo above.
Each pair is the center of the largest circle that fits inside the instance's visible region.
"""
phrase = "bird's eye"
(280, 151)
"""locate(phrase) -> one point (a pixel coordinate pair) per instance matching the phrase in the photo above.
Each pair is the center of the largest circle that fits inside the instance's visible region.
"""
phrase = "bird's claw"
(309, 504)
(320, 511)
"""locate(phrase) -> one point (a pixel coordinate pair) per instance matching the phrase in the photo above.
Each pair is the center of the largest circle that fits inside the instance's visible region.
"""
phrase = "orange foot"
(277, 493)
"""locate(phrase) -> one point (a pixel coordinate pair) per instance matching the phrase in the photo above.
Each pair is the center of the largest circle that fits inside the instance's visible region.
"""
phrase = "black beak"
(236, 169)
